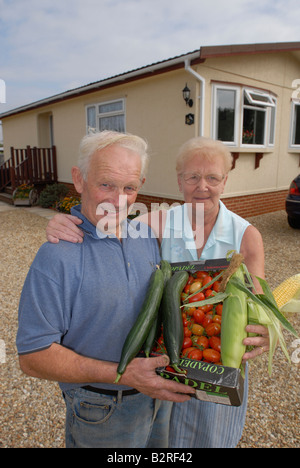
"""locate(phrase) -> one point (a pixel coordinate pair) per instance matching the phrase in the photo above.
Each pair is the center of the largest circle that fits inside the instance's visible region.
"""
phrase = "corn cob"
(234, 322)
(287, 294)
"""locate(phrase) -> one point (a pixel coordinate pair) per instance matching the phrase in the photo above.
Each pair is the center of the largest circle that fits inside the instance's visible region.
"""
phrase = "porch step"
(8, 189)
(6, 197)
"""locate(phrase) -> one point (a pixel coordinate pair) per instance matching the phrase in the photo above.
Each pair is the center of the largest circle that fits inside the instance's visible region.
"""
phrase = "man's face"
(113, 181)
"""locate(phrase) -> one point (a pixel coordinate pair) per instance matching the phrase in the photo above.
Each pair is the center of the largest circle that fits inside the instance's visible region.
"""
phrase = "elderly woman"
(184, 235)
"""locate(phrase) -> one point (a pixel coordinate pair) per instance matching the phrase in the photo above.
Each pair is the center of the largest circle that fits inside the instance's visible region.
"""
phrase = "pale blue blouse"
(178, 243)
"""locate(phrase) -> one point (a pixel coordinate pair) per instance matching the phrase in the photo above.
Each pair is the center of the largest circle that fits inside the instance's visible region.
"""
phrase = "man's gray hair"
(99, 140)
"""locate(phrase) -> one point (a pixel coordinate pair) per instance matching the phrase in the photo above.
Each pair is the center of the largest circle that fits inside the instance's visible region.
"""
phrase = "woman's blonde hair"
(205, 147)
(97, 141)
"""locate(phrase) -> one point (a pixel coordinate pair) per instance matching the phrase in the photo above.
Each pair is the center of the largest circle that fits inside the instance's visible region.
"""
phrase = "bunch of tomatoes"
(202, 325)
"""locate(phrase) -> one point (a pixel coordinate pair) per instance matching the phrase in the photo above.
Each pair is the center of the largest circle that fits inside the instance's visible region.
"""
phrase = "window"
(258, 126)
(246, 121)
(106, 116)
(225, 115)
(295, 126)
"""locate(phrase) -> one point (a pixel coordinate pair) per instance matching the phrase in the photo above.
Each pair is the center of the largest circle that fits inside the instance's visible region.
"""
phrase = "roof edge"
(158, 67)
(236, 49)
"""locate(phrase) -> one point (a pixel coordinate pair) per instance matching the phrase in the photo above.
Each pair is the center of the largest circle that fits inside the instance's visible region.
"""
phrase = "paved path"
(44, 212)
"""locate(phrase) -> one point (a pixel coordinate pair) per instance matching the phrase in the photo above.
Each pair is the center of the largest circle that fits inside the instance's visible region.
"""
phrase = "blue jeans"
(102, 421)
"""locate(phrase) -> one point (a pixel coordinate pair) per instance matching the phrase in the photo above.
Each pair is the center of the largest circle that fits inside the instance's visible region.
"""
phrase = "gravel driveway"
(32, 411)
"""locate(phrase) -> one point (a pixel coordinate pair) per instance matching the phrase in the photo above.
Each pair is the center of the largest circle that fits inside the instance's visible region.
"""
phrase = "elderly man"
(79, 301)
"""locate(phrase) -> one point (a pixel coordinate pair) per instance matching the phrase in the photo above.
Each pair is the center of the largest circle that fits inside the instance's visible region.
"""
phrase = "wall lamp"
(186, 92)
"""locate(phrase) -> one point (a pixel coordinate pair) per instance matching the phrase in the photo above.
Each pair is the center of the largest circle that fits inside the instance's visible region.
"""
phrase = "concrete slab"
(44, 212)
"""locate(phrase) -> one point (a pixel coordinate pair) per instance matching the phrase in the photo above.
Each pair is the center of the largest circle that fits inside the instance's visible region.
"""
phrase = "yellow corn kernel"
(287, 290)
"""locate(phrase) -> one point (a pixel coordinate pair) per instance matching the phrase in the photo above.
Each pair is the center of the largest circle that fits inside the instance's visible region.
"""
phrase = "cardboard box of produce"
(213, 382)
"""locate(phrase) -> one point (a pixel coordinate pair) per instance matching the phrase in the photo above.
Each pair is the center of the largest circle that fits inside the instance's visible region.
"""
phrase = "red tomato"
(190, 311)
(201, 274)
(213, 329)
(219, 309)
(187, 342)
(195, 354)
(206, 280)
(208, 293)
(199, 316)
(207, 308)
(190, 280)
(186, 289)
(198, 297)
(215, 343)
(203, 341)
(207, 320)
(216, 286)
(211, 355)
(186, 351)
(187, 331)
(217, 319)
(197, 329)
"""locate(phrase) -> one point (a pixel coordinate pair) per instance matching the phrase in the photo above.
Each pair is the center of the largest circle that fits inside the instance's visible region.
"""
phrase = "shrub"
(52, 194)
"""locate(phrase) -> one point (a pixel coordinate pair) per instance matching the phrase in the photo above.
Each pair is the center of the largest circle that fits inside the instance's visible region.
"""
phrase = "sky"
(51, 46)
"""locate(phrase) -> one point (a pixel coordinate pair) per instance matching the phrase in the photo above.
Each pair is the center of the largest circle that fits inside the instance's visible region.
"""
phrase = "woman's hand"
(64, 227)
(260, 342)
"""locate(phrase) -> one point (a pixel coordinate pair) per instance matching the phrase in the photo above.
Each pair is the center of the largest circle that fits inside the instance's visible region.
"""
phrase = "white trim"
(294, 103)
(237, 115)
(250, 92)
(202, 97)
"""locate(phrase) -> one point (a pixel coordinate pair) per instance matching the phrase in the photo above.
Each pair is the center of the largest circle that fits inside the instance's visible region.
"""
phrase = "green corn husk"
(234, 322)
(267, 314)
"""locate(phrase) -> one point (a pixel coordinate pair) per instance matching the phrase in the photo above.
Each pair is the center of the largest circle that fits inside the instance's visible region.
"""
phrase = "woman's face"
(202, 191)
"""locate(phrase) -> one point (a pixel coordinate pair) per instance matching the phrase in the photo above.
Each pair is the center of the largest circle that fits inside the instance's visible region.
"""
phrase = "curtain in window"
(115, 122)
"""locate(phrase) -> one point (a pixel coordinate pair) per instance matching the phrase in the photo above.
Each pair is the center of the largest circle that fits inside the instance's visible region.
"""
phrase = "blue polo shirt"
(87, 296)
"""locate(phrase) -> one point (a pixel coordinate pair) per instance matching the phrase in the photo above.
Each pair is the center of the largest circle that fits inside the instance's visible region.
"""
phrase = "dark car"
(292, 204)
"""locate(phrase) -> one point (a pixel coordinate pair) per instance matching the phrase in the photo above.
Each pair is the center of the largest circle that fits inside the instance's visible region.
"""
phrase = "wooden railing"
(32, 166)
(6, 173)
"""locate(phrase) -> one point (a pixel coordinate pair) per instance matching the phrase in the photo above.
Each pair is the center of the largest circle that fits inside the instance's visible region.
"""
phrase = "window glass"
(115, 122)
(91, 117)
(296, 125)
(253, 127)
(111, 107)
(225, 114)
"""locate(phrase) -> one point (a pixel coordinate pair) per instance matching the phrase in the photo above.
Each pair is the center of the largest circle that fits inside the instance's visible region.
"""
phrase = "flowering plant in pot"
(25, 194)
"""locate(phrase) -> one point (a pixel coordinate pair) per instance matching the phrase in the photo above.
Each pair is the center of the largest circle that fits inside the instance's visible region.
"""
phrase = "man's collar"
(92, 230)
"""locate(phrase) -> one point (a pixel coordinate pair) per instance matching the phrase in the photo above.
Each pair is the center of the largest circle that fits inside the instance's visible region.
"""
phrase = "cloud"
(50, 46)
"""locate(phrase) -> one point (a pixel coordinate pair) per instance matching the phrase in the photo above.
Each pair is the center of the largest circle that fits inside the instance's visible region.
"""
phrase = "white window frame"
(295, 103)
(266, 104)
(259, 100)
(98, 114)
(265, 99)
(236, 89)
